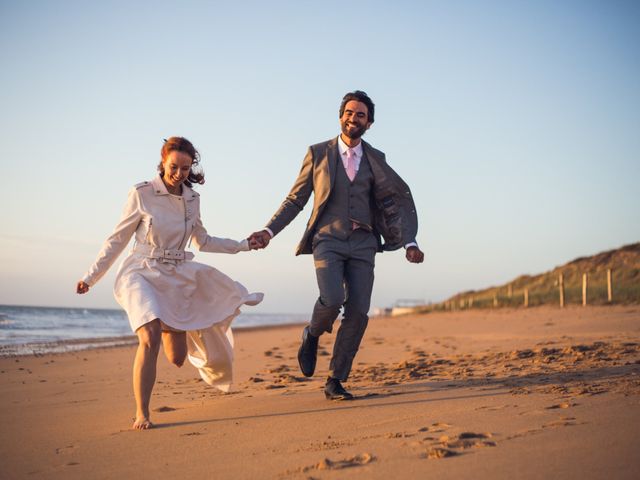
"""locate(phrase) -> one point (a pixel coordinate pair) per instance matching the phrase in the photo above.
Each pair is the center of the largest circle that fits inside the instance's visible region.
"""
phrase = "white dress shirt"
(357, 150)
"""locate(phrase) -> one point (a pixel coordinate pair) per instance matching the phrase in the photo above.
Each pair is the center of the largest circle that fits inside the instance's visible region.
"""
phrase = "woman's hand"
(259, 240)
(82, 287)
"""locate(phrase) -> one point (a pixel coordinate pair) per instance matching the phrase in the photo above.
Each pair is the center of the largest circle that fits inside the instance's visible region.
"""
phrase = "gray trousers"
(344, 270)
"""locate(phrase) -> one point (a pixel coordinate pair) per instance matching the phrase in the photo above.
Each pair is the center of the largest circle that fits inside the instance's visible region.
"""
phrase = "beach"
(509, 393)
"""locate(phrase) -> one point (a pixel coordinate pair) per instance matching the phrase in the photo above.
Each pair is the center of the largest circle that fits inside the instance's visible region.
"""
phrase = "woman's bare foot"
(142, 423)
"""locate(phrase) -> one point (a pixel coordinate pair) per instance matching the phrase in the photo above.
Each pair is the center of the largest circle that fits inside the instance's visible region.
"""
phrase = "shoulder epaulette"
(138, 186)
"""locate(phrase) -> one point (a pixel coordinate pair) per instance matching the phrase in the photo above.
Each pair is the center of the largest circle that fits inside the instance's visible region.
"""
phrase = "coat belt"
(168, 255)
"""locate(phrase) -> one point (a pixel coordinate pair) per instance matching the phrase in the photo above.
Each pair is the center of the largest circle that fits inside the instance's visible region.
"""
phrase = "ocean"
(37, 330)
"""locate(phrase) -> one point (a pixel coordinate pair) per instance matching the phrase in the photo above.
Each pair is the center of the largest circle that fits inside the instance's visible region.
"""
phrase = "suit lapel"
(376, 164)
(327, 172)
(332, 160)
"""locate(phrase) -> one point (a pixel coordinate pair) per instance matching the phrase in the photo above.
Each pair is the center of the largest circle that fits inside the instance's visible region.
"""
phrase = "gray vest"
(349, 202)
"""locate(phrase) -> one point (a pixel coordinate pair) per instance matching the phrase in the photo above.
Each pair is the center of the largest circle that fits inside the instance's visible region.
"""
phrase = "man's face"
(355, 119)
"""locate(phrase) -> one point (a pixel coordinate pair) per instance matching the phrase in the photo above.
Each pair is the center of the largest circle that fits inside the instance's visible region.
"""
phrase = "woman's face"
(176, 169)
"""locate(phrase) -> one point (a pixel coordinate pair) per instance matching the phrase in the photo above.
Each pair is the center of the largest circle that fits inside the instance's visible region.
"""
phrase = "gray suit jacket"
(394, 211)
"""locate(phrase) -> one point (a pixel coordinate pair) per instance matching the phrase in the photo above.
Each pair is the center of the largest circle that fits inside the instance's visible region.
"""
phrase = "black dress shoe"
(308, 353)
(333, 390)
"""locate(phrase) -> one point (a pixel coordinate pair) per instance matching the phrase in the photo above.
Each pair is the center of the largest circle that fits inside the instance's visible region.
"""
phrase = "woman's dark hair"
(181, 144)
(359, 96)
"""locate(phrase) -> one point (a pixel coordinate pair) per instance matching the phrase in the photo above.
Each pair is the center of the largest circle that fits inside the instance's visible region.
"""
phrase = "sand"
(537, 393)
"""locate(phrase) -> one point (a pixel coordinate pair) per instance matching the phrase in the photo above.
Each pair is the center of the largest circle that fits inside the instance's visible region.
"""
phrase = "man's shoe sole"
(329, 396)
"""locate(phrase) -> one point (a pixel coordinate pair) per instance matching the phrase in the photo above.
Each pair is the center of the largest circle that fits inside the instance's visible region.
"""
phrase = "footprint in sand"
(437, 452)
(435, 427)
(493, 408)
(273, 352)
(562, 405)
(467, 440)
(67, 449)
(282, 368)
(398, 435)
(450, 446)
(274, 386)
(525, 433)
(288, 378)
(355, 461)
(562, 422)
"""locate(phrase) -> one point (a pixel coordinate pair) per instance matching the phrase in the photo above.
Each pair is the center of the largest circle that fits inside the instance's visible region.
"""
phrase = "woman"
(185, 305)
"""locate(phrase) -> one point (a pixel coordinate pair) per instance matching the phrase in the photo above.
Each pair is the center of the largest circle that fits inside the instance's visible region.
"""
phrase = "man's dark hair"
(359, 96)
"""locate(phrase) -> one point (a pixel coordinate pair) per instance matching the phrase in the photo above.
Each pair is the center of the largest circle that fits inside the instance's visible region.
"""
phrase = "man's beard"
(355, 133)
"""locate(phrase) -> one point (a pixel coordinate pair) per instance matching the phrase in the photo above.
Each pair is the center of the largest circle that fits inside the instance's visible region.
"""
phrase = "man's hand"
(415, 255)
(82, 287)
(258, 240)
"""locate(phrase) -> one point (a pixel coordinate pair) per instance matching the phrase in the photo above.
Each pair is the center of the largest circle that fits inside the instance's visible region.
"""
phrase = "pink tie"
(351, 164)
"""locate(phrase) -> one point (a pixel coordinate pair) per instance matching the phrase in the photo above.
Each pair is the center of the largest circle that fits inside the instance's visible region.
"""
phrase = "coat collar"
(159, 188)
(371, 152)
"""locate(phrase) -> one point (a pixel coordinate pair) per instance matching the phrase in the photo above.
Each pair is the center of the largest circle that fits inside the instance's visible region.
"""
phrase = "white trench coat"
(158, 279)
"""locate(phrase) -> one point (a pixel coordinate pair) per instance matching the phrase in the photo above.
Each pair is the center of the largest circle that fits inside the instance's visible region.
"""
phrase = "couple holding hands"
(360, 207)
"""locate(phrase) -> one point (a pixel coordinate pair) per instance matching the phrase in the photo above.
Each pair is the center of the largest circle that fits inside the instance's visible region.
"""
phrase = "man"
(357, 199)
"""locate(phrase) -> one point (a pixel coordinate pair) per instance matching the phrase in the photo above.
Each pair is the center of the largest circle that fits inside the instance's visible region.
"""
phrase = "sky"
(515, 123)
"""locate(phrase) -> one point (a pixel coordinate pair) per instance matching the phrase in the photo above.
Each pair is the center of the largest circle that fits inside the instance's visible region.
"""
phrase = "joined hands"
(259, 240)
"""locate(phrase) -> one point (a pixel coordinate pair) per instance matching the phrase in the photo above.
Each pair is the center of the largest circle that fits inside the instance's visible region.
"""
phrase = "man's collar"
(343, 147)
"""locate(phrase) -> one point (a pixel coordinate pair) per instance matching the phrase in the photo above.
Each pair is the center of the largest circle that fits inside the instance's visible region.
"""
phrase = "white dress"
(158, 279)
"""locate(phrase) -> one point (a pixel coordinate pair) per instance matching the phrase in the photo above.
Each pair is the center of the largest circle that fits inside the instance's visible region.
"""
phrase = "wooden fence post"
(526, 297)
(561, 287)
(510, 290)
(609, 289)
(495, 300)
(584, 289)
